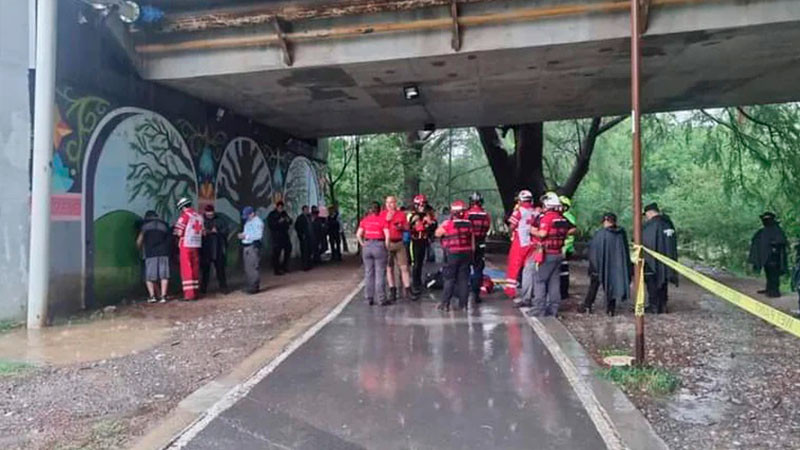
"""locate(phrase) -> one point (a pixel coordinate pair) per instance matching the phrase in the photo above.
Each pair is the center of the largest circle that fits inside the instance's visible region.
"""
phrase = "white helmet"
(525, 195)
(183, 202)
(550, 200)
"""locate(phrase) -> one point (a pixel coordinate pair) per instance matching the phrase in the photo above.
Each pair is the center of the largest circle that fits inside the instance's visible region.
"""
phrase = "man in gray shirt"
(156, 241)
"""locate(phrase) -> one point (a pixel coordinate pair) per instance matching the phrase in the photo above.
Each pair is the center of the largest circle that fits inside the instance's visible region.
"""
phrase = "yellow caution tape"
(755, 307)
(639, 305)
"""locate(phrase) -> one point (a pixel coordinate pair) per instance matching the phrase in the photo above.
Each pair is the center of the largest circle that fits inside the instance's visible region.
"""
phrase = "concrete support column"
(44, 114)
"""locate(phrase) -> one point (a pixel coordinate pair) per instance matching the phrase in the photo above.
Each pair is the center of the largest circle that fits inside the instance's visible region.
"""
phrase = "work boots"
(407, 294)
(392, 295)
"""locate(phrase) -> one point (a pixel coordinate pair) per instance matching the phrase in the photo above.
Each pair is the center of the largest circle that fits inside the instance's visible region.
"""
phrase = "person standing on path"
(458, 242)
(215, 246)
(305, 235)
(156, 242)
(481, 222)
(189, 229)
(658, 234)
(519, 224)
(279, 223)
(319, 227)
(251, 253)
(551, 231)
(373, 236)
(422, 226)
(398, 256)
(569, 245)
(609, 265)
(768, 250)
(334, 228)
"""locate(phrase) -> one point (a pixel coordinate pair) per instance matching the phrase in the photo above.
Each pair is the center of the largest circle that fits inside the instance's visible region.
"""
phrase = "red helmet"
(420, 199)
(458, 206)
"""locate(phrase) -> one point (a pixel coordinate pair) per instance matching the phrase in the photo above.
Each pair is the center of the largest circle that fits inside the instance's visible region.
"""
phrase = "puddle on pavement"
(85, 342)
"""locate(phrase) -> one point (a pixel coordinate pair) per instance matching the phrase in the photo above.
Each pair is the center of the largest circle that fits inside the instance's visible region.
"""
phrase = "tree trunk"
(412, 156)
(524, 168)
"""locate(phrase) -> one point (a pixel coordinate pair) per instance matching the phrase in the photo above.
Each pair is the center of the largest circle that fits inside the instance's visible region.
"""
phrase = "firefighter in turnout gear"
(481, 222)
(458, 242)
(551, 232)
(422, 225)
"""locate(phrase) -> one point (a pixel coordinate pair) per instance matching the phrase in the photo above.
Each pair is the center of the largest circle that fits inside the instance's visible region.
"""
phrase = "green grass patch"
(10, 368)
(614, 351)
(653, 381)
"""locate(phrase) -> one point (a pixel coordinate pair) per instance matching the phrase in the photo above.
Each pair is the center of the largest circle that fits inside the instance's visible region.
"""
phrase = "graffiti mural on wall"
(116, 163)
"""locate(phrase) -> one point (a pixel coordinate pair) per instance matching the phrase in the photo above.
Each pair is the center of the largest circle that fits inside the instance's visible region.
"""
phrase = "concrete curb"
(195, 411)
(618, 421)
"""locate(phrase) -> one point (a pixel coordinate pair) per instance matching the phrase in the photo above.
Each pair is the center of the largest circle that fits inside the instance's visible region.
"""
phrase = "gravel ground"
(108, 403)
(740, 377)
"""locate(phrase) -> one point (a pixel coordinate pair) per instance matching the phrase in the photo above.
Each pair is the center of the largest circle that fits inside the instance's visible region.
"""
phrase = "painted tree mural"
(243, 178)
(162, 170)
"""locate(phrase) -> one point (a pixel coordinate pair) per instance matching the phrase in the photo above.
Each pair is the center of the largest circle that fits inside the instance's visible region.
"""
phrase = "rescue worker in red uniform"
(189, 229)
(519, 224)
(458, 243)
(551, 231)
(422, 225)
(481, 222)
(373, 235)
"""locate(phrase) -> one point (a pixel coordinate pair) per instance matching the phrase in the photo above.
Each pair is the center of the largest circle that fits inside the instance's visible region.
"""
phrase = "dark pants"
(252, 268)
(431, 253)
(374, 257)
(335, 240)
(305, 252)
(546, 287)
(281, 252)
(478, 264)
(419, 248)
(320, 246)
(656, 294)
(773, 273)
(205, 273)
(455, 274)
(591, 294)
(564, 276)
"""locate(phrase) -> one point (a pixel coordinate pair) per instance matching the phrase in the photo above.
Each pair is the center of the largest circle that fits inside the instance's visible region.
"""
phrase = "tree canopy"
(712, 171)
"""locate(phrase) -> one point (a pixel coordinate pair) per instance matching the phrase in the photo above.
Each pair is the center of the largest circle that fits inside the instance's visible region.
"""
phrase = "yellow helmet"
(565, 201)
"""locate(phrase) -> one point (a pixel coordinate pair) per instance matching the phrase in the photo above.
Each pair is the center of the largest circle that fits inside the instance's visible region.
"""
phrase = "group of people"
(202, 242)
(390, 238)
(542, 243)
(611, 267)
(540, 232)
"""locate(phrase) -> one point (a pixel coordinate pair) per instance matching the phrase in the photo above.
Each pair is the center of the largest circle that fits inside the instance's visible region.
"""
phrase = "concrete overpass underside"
(311, 79)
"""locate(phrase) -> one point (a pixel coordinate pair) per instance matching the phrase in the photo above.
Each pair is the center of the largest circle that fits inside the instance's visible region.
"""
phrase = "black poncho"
(659, 235)
(609, 259)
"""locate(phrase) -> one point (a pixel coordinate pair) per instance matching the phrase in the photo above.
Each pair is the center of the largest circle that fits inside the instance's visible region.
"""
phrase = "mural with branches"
(162, 169)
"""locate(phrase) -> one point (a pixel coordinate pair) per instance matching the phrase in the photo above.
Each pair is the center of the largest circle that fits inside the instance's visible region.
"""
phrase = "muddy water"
(85, 342)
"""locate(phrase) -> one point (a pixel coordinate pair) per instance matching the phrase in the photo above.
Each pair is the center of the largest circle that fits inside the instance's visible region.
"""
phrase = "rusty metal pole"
(636, 60)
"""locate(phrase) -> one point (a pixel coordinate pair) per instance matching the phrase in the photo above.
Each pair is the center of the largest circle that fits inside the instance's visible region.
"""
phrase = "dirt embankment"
(740, 377)
(90, 396)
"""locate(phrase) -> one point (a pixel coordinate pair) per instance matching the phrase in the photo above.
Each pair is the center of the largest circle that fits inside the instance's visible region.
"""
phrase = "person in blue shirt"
(251, 253)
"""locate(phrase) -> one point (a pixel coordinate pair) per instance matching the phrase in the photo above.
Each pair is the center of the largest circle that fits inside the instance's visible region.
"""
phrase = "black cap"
(652, 207)
(609, 216)
(767, 215)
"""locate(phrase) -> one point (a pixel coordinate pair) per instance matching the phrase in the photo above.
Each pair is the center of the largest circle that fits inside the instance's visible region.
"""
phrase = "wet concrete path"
(410, 377)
